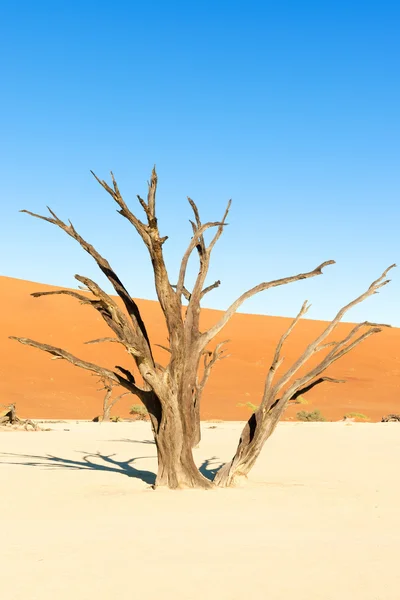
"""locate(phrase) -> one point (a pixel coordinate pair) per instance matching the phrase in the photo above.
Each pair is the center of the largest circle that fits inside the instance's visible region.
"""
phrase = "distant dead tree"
(108, 402)
(391, 419)
(8, 417)
(171, 393)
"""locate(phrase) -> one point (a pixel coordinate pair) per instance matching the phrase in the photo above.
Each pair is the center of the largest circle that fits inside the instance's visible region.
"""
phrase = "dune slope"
(46, 388)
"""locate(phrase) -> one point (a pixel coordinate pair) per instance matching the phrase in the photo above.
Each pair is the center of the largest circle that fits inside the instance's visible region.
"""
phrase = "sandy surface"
(317, 520)
(48, 388)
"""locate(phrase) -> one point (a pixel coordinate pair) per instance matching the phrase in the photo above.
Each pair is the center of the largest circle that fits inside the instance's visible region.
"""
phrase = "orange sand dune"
(46, 388)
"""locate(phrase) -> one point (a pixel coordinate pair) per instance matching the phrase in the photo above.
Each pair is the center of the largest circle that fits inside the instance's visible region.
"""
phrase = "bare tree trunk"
(254, 435)
(107, 406)
(176, 466)
(106, 414)
(196, 422)
(189, 401)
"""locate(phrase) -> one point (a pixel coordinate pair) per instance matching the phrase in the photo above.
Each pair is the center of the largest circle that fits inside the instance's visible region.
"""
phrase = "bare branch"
(210, 358)
(150, 207)
(83, 364)
(151, 196)
(211, 333)
(338, 354)
(193, 243)
(185, 292)
(104, 265)
(201, 248)
(140, 227)
(107, 383)
(210, 288)
(316, 344)
(164, 348)
(323, 365)
(220, 229)
(104, 339)
(115, 400)
(80, 297)
(277, 360)
(110, 312)
(263, 421)
(127, 374)
(311, 385)
(108, 386)
(117, 321)
(192, 319)
(152, 239)
(144, 206)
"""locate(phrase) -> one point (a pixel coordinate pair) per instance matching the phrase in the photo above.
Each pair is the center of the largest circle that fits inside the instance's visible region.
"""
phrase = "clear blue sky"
(289, 108)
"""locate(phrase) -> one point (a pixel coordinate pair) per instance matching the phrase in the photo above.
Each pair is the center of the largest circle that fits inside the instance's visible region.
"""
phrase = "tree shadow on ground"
(210, 467)
(88, 463)
(150, 442)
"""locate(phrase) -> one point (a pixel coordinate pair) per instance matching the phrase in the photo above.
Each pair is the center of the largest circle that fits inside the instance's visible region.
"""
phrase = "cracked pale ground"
(319, 518)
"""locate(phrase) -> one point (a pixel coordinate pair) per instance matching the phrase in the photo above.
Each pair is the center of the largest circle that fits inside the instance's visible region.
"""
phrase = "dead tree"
(8, 417)
(171, 393)
(108, 402)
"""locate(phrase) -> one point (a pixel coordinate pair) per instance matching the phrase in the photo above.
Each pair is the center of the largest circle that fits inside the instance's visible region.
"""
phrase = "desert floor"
(317, 520)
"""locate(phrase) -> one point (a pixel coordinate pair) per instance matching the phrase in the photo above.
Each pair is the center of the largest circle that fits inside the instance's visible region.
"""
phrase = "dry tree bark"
(277, 395)
(8, 417)
(172, 393)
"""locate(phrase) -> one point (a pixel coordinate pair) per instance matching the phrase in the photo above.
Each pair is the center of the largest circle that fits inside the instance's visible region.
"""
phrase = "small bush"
(301, 400)
(314, 415)
(139, 411)
(253, 407)
(355, 415)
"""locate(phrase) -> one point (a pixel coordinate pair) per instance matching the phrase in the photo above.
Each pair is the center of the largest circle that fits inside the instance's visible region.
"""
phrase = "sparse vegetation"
(356, 415)
(139, 411)
(314, 415)
(300, 400)
(250, 405)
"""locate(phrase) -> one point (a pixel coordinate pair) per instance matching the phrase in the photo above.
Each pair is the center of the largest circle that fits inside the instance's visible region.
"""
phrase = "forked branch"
(195, 241)
(339, 348)
(109, 402)
(151, 237)
(263, 421)
(210, 358)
